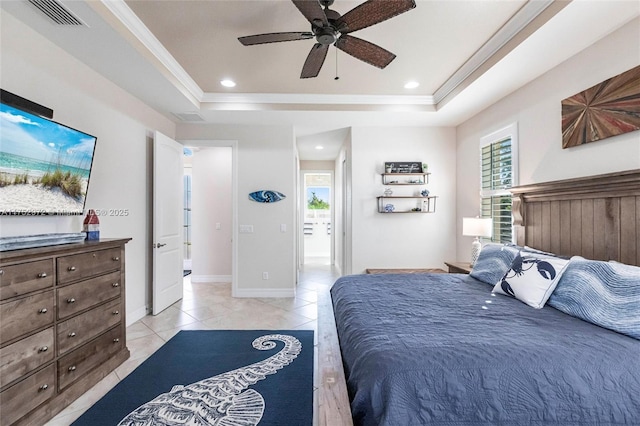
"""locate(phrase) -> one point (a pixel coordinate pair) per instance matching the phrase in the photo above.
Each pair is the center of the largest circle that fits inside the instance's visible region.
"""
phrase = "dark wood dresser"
(62, 325)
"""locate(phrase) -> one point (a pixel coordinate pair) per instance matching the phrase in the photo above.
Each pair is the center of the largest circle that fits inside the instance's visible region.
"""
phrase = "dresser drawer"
(85, 265)
(85, 294)
(78, 330)
(21, 316)
(25, 277)
(79, 362)
(26, 355)
(26, 395)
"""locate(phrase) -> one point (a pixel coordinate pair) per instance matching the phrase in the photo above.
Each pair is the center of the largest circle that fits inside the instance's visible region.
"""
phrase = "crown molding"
(518, 22)
(131, 21)
(315, 99)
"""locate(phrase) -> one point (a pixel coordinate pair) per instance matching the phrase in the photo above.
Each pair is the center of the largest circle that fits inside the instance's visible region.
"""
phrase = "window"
(499, 171)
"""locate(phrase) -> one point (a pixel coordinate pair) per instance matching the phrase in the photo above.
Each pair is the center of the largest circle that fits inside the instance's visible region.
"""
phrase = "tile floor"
(209, 306)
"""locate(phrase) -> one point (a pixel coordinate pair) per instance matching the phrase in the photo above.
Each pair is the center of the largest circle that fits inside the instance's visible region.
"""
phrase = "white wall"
(402, 240)
(537, 109)
(211, 205)
(38, 70)
(266, 160)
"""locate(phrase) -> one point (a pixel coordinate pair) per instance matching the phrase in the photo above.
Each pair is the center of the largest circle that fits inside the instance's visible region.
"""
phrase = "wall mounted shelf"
(405, 178)
(426, 204)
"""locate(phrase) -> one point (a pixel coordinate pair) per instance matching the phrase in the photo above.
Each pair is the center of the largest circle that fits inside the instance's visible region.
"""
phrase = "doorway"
(317, 214)
(213, 202)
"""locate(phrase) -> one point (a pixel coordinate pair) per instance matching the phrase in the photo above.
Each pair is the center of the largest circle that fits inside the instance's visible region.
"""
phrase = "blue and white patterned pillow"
(532, 278)
(494, 261)
(604, 293)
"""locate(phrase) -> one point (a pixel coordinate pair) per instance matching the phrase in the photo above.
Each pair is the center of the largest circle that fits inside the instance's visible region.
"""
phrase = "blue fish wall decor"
(266, 196)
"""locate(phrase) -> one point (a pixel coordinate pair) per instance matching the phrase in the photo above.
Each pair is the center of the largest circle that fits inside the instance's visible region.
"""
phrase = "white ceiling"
(466, 55)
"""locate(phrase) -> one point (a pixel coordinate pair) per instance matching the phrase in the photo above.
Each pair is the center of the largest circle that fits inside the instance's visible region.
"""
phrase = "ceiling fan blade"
(314, 61)
(372, 12)
(312, 10)
(274, 37)
(365, 51)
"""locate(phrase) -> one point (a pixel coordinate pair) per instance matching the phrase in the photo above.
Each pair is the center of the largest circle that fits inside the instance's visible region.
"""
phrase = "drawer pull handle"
(72, 334)
(42, 275)
(42, 311)
(1, 271)
(43, 387)
(72, 300)
(115, 258)
(71, 268)
(115, 285)
(72, 368)
(43, 349)
(116, 340)
(116, 312)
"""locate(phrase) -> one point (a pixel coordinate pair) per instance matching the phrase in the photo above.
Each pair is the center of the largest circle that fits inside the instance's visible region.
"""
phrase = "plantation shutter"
(497, 178)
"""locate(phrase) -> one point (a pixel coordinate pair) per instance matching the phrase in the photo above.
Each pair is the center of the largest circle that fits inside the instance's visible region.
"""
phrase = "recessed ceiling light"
(411, 85)
(228, 83)
(319, 147)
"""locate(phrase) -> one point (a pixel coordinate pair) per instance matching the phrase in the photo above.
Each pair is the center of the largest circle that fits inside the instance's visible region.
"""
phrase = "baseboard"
(136, 315)
(264, 292)
(210, 278)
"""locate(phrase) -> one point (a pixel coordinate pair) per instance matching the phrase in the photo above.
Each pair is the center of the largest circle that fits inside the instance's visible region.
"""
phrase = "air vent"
(189, 116)
(56, 12)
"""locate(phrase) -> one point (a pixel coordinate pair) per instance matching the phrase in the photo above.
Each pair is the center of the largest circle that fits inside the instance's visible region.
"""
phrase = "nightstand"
(459, 267)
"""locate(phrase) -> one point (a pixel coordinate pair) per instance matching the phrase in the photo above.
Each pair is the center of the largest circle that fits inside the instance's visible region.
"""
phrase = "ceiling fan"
(329, 27)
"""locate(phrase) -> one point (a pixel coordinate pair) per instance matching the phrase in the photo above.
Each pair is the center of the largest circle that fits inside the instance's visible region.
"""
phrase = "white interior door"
(167, 222)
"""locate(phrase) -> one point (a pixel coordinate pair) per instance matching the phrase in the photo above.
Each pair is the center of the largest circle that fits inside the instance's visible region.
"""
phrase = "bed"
(449, 349)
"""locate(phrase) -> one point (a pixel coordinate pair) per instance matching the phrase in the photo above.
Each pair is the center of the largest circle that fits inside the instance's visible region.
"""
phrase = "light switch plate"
(246, 229)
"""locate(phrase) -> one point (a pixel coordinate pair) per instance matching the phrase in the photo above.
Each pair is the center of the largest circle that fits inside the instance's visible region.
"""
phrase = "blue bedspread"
(438, 349)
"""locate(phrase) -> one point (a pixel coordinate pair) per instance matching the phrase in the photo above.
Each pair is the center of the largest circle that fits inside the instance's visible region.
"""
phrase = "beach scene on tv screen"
(44, 166)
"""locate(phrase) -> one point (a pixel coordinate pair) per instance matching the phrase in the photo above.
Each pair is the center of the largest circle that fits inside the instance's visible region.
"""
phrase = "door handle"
(160, 245)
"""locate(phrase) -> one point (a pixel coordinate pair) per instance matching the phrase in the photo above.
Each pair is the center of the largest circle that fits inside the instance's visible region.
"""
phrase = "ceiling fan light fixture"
(411, 85)
(228, 83)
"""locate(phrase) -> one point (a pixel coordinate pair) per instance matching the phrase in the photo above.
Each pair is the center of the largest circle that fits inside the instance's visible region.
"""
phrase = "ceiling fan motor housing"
(325, 35)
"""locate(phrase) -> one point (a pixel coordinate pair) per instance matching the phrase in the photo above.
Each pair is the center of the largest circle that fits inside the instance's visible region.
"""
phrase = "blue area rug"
(221, 369)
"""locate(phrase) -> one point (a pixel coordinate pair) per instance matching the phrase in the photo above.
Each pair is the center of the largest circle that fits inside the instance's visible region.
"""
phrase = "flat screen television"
(45, 166)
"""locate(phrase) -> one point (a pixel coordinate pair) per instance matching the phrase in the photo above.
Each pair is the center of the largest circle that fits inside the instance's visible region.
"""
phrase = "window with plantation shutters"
(498, 165)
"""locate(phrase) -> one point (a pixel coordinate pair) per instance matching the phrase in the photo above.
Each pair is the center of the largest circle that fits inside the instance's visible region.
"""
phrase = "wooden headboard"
(597, 217)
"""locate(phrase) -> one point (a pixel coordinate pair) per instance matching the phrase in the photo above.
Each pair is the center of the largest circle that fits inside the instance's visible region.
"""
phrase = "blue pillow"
(494, 261)
(603, 293)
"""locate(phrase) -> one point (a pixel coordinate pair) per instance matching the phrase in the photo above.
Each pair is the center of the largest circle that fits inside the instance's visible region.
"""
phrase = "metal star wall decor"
(607, 109)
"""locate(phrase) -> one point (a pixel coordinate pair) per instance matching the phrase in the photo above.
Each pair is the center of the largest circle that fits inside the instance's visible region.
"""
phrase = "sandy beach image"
(33, 198)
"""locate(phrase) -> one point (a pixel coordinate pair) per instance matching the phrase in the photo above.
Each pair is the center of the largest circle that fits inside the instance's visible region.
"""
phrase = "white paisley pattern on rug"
(221, 400)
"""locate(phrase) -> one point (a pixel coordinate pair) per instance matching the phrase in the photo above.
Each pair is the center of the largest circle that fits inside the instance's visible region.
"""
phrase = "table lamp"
(476, 227)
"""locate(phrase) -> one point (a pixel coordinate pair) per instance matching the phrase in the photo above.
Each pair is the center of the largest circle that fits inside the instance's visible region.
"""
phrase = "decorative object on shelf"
(388, 167)
(404, 166)
(476, 227)
(416, 209)
(91, 226)
(389, 208)
(425, 167)
(388, 192)
(607, 109)
(40, 240)
(266, 196)
(424, 192)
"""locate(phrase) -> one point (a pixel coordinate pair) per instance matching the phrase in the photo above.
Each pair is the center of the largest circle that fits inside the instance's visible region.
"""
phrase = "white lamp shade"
(477, 227)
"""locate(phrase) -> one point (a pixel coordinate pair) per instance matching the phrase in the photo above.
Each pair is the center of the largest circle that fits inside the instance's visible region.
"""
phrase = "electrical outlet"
(265, 275)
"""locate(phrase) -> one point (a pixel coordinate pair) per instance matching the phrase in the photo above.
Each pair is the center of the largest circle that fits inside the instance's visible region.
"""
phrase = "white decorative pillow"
(532, 278)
